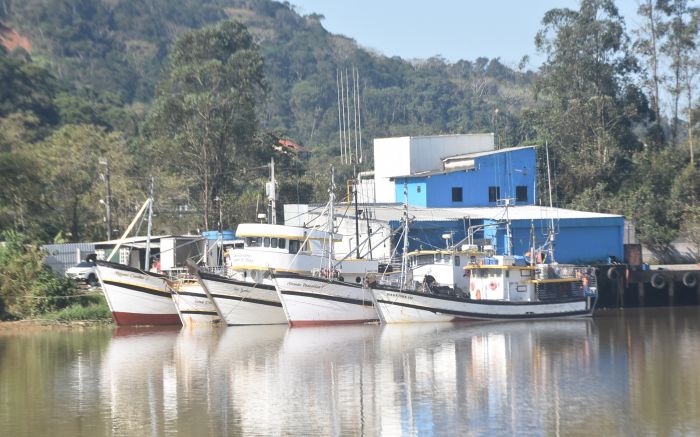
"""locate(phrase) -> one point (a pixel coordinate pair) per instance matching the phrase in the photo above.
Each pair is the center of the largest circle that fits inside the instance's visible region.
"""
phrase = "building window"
(456, 194)
(418, 189)
(494, 194)
(521, 193)
(124, 253)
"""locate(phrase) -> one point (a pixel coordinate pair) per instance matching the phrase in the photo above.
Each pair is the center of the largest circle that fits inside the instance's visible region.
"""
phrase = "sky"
(453, 29)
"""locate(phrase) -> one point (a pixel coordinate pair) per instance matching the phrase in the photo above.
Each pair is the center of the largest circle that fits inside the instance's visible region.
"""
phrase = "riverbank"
(37, 325)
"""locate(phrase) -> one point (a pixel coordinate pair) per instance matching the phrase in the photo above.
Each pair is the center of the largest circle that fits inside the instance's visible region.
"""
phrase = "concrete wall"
(504, 170)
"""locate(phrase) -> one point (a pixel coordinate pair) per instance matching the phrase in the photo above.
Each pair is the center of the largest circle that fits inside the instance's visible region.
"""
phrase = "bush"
(27, 286)
(91, 312)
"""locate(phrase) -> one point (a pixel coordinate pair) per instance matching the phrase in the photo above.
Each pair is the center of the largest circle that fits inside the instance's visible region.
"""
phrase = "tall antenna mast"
(340, 120)
(347, 102)
(359, 114)
(356, 112)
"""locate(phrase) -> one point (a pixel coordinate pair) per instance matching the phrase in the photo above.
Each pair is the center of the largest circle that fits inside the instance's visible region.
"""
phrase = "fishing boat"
(500, 289)
(328, 295)
(246, 294)
(135, 296)
(193, 306)
(318, 299)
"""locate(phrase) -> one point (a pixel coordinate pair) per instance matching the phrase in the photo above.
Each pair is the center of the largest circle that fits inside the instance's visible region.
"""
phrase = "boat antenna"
(147, 262)
(551, 207)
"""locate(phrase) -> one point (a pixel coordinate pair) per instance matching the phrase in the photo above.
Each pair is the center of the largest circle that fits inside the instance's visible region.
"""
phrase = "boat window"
(281, 243)
(273, 243)
(266, 241)
(456, 260)
(293, 246)
(252, 241)
(422, 260)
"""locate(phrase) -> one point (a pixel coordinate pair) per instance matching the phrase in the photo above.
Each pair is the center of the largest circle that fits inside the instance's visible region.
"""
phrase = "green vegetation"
(195, 93)
(95, 312)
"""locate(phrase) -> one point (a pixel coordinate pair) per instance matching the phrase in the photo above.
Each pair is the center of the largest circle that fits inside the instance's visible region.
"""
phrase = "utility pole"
(108, 200)
(220, 237)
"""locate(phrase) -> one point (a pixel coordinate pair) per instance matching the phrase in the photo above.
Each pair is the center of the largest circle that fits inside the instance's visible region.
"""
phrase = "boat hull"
(136, 297)
(397, 306)
(193, 305)
(243, 303)
(312, 301)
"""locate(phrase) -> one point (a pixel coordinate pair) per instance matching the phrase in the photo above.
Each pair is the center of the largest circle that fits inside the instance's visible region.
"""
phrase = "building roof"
(464, 157)
(140, 240)
(486, 153)
(394, 211)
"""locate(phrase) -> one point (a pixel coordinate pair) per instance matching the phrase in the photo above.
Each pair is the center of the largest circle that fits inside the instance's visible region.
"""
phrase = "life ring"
(690, 279)
(658, 280)
(613, 274)
(493, 285)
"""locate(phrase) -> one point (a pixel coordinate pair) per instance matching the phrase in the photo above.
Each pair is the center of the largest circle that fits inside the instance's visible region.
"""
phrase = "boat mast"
(551, 223)
(147, 262)
(357, 218)
(331, 222)
(404, 260)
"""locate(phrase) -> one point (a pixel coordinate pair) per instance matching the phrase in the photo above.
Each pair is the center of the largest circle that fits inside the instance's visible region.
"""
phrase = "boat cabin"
(506, 278)
(289, 249)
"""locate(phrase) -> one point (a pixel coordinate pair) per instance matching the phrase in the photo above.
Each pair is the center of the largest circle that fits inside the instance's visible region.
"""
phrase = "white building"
(402, 156)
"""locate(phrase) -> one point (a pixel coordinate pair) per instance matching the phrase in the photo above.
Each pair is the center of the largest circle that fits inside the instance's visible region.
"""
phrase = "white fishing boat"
(318, 300)
(191, 302)
(247, 295)
(500, 290)
(136, 297)
(328, 295)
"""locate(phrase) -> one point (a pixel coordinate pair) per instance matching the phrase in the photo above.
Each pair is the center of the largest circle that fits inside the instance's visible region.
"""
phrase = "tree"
(650, 34)
(681, 40)
(584, 87)
(204, 120)
(70, 162)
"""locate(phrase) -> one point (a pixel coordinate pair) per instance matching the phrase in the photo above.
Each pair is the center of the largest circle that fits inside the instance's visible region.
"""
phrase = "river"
(628, 372)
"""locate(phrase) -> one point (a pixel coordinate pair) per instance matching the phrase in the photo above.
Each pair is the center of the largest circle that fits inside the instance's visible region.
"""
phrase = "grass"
(93, 309)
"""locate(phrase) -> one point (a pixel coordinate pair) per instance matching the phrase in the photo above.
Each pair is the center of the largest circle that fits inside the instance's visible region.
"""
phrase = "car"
(85, 272)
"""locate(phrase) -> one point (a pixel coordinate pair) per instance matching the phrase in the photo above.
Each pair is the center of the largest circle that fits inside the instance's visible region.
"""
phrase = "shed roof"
(394, 211)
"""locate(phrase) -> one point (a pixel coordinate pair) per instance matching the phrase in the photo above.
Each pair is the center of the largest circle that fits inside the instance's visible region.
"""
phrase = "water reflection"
(631, 372)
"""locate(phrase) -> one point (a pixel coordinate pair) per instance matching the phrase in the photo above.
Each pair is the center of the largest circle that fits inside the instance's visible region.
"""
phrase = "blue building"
(457, 185)
(474, 179)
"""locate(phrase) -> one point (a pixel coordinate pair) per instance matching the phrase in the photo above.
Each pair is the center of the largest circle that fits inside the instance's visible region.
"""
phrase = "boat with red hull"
(137, 297)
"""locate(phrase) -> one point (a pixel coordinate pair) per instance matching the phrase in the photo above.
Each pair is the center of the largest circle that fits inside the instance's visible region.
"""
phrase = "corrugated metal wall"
(62, 256)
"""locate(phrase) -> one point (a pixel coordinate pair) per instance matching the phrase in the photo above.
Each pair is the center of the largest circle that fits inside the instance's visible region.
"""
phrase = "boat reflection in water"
(502, 378)
(608, 375)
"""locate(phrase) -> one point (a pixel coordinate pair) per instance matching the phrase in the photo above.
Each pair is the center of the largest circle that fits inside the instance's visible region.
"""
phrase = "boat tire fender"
(658, 280)
(690, 279)
(613, 274)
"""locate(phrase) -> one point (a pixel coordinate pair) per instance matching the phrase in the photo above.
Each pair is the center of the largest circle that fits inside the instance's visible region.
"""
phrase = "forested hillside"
(196, 93)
